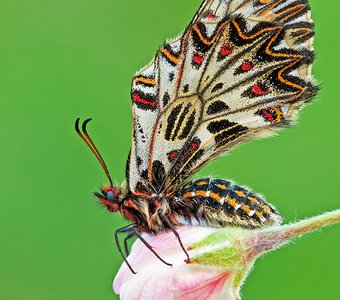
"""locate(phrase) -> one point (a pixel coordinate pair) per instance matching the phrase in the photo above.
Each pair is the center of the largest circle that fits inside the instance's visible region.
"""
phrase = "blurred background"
(64, 59)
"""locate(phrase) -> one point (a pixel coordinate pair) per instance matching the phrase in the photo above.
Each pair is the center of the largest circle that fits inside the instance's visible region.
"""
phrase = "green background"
(64, 59)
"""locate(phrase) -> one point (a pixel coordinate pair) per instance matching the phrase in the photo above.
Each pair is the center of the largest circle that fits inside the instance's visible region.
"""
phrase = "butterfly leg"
(173, 229)
(126, 246)
(125, 229)
(137, 233)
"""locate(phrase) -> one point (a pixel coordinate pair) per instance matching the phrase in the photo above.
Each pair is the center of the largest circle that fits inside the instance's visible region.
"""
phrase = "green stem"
(274, 237)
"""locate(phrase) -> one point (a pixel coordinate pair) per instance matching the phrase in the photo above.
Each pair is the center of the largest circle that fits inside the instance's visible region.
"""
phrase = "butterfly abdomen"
(217, 202)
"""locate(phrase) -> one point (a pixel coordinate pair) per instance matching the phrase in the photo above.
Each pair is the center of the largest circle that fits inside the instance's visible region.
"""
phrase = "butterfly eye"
(110, 196)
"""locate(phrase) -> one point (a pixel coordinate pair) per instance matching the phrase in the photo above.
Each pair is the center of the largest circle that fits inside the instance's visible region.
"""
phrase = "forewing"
(240, 70)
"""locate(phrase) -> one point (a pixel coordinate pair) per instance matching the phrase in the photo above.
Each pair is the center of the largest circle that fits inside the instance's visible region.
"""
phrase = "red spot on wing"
(211, 16)
(268, 115)
(172, 154)
(194, 146)
(247, 66)
(259, 90)
(226, 50)
(138, 98)
(198, 59)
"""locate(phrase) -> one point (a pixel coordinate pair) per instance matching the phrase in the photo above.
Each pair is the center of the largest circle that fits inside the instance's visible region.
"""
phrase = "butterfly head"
(110, 197)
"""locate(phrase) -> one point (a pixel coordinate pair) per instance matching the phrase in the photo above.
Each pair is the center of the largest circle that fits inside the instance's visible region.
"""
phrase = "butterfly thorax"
(142, 209)
(145, 211)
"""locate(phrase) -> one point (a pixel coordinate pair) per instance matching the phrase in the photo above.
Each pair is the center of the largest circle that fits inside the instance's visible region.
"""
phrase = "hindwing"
(240, 70)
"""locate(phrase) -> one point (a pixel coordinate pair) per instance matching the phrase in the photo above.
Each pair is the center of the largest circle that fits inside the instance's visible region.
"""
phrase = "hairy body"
(211, 202)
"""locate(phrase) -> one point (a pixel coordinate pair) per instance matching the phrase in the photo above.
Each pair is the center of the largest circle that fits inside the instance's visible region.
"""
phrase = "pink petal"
(155, 280)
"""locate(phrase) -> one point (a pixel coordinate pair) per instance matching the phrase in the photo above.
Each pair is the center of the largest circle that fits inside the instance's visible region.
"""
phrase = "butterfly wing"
(240, 70)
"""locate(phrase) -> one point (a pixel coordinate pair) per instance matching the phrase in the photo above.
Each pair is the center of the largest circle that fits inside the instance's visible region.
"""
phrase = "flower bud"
(221, 259)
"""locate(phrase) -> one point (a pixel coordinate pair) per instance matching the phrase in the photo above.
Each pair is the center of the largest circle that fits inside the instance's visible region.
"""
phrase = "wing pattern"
(240, 70)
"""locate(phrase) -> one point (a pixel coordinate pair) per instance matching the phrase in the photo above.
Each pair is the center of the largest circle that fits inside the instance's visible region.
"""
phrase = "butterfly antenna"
(88, 141)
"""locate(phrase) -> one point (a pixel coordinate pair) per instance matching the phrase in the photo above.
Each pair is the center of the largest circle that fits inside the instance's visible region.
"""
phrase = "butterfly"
(240, 70)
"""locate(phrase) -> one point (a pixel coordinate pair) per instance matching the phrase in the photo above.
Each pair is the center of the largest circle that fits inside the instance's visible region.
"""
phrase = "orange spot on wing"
(169, 56)
(203, 39)
(295, 10)
(269, 8)
(306, 32)
(144, 80)
(279, 113)
(255, 34)
(297, 58)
